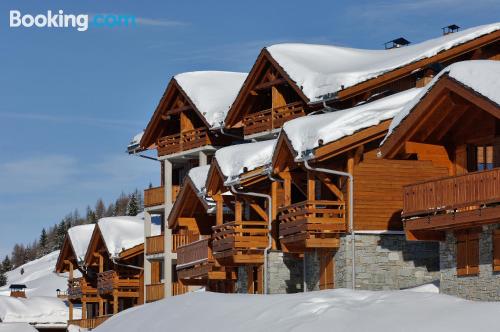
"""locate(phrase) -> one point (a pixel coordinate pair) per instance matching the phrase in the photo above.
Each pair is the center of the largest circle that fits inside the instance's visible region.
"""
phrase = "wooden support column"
(238, 209)
(70, 310)
(350, 170)
(71, 271)
(250, 280)
(274, 212)
(219, 205)
(101, 263)
(311, 186)
(101, 307)
(84, 310)
(115, 302)
(287, 178)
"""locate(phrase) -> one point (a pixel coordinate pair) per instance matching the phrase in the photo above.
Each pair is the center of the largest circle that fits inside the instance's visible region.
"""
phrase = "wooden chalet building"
(82, 289)
(455, 125)
(185, 129)
(291, 80)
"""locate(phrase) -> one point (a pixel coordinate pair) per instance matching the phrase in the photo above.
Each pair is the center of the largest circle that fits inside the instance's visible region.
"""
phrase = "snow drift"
(333, 310)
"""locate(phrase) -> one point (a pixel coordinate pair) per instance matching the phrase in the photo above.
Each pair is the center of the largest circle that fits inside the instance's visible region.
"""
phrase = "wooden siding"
(155, 292)
(154, 196)
(378, 186)
(155, 244)
(457, 192)
(89, 323)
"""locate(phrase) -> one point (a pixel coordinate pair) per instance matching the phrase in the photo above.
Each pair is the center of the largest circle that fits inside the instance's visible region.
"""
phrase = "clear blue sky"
(70, 101)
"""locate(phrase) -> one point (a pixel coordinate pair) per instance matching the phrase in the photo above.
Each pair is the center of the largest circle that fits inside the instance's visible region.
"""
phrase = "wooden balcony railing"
(272, 118)
(154, 196)
(155, 292)
(239, 242)
(155, 244)
(89, 323)
(111, 280)
(193, 253)
(179, 289)
(312, 224)
(183, 239)
(454, 193)
(77, 287)
(184, 141)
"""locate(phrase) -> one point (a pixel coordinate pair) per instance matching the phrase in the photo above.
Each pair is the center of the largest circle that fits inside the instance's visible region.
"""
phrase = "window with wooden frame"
(468, 252)
(496, 250)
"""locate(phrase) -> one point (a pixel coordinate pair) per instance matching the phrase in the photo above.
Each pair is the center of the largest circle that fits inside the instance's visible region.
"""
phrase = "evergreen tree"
(6, 264)
(3, 278)
(100, 209)
(43, 244)
(60, 234)
(133, 207)
(91, 217)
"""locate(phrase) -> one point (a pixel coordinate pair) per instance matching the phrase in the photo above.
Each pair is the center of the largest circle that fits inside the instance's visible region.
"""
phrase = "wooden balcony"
(155, 244)
(155, 292)
(154, 196)
(184, 141)
(240, 242)
(89, 323)
(464, 200)
(79, 288)
(126, 283)
(179, 289)
(183, 239)
(312, 225)
(272, 118)
(195, 262)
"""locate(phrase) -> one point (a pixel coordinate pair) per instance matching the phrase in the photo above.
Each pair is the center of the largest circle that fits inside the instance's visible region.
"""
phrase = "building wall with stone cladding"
(485, 286)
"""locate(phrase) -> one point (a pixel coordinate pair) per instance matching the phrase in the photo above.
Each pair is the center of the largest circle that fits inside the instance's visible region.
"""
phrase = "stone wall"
(486, 286)
(386, 261)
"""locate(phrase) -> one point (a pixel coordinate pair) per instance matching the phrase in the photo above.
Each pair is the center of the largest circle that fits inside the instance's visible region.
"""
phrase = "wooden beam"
(269, 84)
(178, 110)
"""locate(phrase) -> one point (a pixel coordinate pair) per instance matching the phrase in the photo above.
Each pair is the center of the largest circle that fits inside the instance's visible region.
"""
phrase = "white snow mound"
(333, 310)
(35, 310)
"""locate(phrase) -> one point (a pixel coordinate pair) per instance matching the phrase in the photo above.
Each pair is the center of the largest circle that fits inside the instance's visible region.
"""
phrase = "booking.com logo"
(80, 22)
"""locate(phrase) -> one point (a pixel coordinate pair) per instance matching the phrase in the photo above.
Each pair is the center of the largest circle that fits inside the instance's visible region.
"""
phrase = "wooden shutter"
(461, 253)
(473, 252)
(496, 250)
(326, 270)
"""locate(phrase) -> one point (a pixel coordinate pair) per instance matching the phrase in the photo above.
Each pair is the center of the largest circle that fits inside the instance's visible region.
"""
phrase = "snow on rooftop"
(198, 176)
(235, 159)
(481, 76)
(122, 233)
(135, 141)
(34, 310)
(39, 276)
(212, 92)
(323, 69)
(16, 327)
(329, 310)
(80, 238)
(305, 132)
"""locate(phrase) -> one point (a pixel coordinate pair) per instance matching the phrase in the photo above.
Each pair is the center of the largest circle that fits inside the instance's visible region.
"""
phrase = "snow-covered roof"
(323, 69)
(236, 159)
(198, 176)
(305, 132)
(38, 276)
(327, 310)
(16, 327)
(212, 92)
(122, 233)
(80, 238)
(134, 142)
(482, 76)
(35, 310)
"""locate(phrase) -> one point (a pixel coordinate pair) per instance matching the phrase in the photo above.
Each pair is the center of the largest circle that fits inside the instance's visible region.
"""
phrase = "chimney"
(452, 28)
(396, 43)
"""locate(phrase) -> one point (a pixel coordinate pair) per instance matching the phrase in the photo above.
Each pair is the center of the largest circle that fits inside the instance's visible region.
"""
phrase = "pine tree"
(133, 207)
(61, 234)
(3, 278)
(6, 264)
(91, 217)
(100, 209)
(43, 243)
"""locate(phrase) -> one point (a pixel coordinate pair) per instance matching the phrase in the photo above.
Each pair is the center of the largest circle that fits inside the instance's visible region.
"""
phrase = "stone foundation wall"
(485, 286)
(386, 261)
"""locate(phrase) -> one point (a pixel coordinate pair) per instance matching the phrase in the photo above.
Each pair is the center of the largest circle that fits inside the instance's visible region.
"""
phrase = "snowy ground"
(38, 276)
(333, 310)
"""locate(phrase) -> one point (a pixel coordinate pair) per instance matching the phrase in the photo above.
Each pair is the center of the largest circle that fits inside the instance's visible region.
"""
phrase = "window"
(467, 252)
(496, 250)
(482, 157)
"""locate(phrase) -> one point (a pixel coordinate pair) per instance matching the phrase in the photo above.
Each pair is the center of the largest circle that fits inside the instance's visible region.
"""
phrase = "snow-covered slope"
(336, 310)
(39, 277)
(324, 69)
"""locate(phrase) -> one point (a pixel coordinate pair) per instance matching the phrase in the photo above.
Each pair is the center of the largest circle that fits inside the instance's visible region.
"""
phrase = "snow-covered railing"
(110, 280)
(457, 192)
